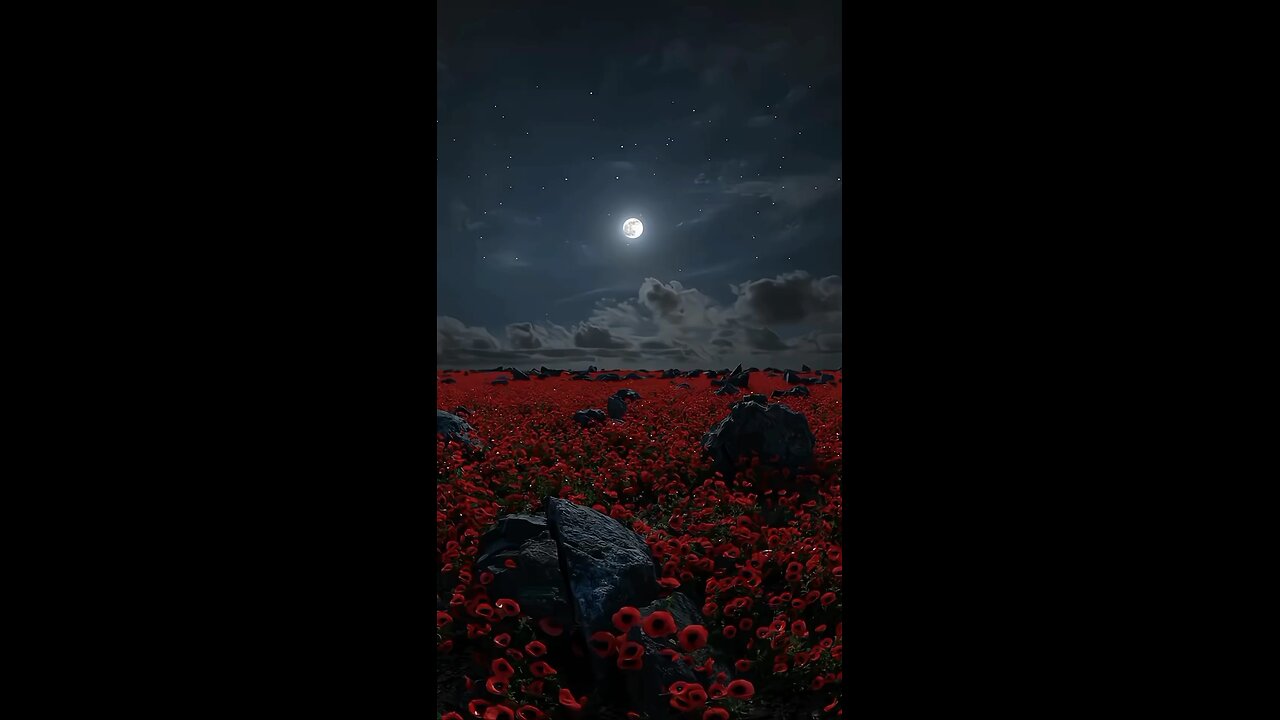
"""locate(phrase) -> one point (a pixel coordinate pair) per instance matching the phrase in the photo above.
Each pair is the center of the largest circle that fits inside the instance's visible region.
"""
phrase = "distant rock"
(827, 379)
(550, 373)
(448, 381)
(756, 398)
(693, 373)
(627, 394)
(633, 376)
(616, 408)
(686, 386)
(794, 379)
(517, 375)
(773, 430)
(805, 368)
(727, 389)
(499, 381)
(608, 376)
(798, 390)
(586, 417)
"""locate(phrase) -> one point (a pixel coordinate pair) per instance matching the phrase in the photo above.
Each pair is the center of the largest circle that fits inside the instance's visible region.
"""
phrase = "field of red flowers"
(759, 552)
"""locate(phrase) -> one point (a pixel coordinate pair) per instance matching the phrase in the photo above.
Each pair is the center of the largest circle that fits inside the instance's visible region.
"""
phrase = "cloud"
(791, 298)
(453, 335)
(594, 336)
(667, 324)
(764, 339)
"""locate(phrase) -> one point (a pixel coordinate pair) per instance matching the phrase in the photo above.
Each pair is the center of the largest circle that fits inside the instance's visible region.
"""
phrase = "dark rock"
(693, 373)
(608, 376)
(586, 417)
(627, 394)
(668, 374)
(517, 375)
(633, 376)
(646, 686)
(805, 368)
(686, 386)
(554, 373)
(461, 410)
(499, 381)
(753, 369)
(448, 381)
(773, 430)
(727, 389)
(755, 397)
(606, 564)
(536, 582)
(455, 429)
(792, 378)
(592, 368)
(710, 373)
(616, 408)
(798, 390)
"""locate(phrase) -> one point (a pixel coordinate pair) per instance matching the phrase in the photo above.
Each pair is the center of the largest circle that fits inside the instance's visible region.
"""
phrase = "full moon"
(632, 228)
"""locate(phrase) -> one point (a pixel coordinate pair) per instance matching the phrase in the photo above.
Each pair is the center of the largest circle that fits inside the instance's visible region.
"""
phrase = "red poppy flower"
(502, 668)
(741, 689)
(626, 618)
(536, 648)
(446, 646)
(678, 687)
(509, 562)
(485, 610)
(716, 691)
(529, 712)
(799, 629)
(502, 640)
(508, 607)
(820, 628)
(534, 688)
(745, 624)
(730, 631)
(669, 583)
(602, 643)
(476, 707)
(496, 685)
(551, 627)
(567, 700)
(451, 716)
(709, 608)
(515, 654)
(742, 665)
(486, 577)
(817, 683)
(693, 637)
(541, 669)
(715, 714)
(832, 706)
(499, 712)
(659, 624)
(443, 618)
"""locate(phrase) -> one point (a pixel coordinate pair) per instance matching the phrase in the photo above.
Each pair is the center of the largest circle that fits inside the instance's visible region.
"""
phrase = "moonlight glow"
(632, 228)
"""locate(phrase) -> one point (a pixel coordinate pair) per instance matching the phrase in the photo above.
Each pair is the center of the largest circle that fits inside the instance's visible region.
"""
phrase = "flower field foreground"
(759, 552)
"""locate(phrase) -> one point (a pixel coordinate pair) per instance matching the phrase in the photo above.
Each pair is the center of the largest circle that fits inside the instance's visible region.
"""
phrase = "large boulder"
(536, 581)
(607, 564)
(608, 376)
(727, 389)
(627, 394)
(645, 688)
(455, 429)
(770, 430)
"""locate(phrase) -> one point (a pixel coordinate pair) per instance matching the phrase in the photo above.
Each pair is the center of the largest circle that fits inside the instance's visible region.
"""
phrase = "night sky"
(716, 124)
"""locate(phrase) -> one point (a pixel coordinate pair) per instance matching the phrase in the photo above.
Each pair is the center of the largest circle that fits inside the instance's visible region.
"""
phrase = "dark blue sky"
(718, 125)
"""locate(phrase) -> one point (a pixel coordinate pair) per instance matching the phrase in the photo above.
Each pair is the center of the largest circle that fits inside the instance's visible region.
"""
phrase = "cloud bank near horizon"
(669, 325)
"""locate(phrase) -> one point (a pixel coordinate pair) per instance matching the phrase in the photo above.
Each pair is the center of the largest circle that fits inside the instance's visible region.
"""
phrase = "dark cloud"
(594, 336)
(764, 339)
(791, 298)
(667, 323)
